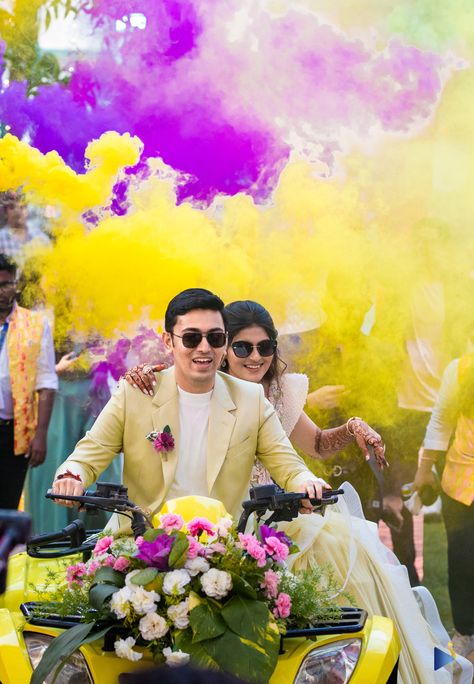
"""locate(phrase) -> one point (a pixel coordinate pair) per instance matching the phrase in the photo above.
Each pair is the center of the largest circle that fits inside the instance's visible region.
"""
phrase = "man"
(28, 383)
(219, 424)
(17, 237)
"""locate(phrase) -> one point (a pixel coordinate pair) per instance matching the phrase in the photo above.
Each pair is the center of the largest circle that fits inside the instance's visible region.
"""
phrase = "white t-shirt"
(191, 470)
(421, 376)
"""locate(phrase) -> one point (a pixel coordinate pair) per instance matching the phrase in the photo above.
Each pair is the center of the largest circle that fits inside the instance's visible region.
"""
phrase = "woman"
(361, 563)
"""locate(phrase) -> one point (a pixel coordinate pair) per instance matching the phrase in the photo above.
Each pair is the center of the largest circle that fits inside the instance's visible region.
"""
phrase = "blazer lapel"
(165, 411)
(221, 424)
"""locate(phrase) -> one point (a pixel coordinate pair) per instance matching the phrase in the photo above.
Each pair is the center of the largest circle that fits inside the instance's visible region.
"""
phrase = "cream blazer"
(243, 425)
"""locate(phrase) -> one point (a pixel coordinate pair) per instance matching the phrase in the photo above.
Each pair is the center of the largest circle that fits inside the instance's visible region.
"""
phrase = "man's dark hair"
(188, 300)
(6, 264)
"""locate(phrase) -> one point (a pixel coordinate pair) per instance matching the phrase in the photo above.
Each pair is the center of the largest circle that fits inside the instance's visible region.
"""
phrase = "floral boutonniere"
(162, 441)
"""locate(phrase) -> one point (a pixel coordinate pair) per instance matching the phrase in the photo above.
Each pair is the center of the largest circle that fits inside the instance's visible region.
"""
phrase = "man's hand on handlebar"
(67, 486)
(314, 490)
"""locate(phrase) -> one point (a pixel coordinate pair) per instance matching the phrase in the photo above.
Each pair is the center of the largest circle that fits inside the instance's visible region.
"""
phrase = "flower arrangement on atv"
(190, 591)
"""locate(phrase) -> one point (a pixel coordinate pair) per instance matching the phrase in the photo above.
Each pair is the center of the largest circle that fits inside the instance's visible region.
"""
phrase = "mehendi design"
(329, 442)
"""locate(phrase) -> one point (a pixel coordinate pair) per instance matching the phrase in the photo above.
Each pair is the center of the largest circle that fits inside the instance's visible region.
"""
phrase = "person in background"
(454, 413)
(18, 236)
(28, 383)
(73, 414)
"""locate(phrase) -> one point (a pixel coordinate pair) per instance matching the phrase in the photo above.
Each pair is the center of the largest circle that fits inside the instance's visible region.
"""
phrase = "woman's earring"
(224, 364)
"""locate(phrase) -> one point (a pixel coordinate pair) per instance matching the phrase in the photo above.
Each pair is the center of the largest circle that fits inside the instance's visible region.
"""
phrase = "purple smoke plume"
(223, 92)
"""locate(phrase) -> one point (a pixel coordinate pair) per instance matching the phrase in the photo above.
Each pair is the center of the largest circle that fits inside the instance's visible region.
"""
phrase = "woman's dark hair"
(188, 300)
(6, 264)
(245, 314)
(178, 675)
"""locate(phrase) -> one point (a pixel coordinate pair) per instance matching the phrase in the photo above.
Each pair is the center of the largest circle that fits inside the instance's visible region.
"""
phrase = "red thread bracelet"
(69, 474)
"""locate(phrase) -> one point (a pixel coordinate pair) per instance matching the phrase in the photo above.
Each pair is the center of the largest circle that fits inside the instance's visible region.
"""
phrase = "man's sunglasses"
(192, 339)
(243, 349)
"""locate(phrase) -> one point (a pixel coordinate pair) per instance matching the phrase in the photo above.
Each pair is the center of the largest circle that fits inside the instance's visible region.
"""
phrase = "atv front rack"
(350, 620)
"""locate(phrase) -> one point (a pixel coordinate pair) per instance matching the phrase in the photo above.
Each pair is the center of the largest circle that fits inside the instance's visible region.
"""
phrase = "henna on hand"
(141, 377)
(329, 442)
(366, 436)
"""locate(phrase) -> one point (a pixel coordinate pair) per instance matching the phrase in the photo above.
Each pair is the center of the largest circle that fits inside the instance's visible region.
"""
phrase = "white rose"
(152, 626)
(123, 648)
(175, 582)
(223, 526)
(144, 601)
(175, 658)
(179, 614)
(216, 583)
(120, 602)
(196, 565)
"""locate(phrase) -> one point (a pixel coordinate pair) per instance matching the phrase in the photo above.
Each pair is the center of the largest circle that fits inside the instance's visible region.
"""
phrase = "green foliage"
(177, 557)
(240, 637)
(311, 593)
(206, 621)
(62, 647)
(144, 576)
(20, 29)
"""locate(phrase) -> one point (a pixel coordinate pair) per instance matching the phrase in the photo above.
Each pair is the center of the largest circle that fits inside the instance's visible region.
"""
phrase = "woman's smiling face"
(254, 367)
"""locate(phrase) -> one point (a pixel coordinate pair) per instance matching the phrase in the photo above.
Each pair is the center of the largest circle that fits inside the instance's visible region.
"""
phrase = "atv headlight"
(75, 671)
(333, 663)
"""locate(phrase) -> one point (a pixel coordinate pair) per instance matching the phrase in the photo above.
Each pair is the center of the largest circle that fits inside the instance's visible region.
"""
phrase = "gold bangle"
(348, 423)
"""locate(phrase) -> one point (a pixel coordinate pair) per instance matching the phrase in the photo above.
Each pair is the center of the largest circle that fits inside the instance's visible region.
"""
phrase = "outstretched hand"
(366, 436)
(142, 377)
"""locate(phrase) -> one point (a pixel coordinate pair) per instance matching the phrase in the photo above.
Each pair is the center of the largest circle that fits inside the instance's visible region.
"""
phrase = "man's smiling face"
(196, 368)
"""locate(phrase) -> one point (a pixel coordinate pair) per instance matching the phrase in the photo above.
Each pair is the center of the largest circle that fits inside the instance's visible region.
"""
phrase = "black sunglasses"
(243, 349)
(192, 339)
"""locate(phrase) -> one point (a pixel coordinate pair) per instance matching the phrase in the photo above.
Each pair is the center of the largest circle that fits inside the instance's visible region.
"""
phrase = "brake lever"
(96, 501)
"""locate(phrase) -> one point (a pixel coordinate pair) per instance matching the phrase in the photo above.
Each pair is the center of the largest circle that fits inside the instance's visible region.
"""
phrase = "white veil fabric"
(372, 574)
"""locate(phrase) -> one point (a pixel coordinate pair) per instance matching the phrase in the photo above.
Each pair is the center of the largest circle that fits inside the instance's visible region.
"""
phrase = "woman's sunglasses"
(193, 339)
(243, 349)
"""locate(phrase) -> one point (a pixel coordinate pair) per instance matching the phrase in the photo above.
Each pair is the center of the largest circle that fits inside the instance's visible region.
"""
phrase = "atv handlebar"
(114, 497)
(285, 505)
(109, 497)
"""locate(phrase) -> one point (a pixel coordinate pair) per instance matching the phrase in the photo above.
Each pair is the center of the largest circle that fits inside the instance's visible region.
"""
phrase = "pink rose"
(282, 606)
(217, 547)
(274, 547)
(253, 548)
(197, 526)
(93, 567)
(121, 564)
(195, 548)
(109, 561)
(102, 545)
(74, 574)
(139, 541)
(170, 521)
(270, 584)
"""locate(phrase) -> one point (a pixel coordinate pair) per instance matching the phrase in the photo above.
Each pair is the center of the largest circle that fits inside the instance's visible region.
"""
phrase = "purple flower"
(164, 441)
(266, 531)
(156, 553)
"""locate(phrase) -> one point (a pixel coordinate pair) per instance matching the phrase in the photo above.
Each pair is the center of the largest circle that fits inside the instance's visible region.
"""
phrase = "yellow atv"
(354, 647)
